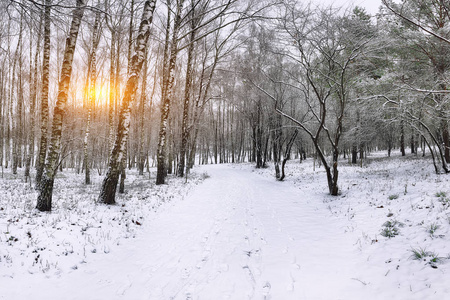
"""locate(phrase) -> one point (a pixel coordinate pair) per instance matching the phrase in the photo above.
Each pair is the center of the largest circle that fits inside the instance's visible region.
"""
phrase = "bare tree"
(109, 186)
(324, 47)
(33, 95)
(16, 95)
(91, 90)
(44, 201)
(167, 94)
(44, 94)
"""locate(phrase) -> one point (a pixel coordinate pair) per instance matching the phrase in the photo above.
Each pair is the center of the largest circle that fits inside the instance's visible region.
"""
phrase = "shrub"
(391, 228)
(389, 232)
(441, 194)
(442, 197)
(393, 197)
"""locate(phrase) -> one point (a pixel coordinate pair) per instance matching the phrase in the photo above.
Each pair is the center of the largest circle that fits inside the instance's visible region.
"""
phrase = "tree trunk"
(123, 172)
(19, 116)
(109, 186)
(112, 90)
(354, 154)
(44, 201)
(92, 77)
(141, 113)
(187, 95)
(123, 164)
(17, 120)
(130, 36)
(165, 104)
(44, 94)
(446, 139)
(402, 138)
(33, 93)
(287, 154)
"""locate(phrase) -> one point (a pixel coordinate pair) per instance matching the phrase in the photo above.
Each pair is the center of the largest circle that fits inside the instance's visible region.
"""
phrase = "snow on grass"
(398, 211)
(77, 228)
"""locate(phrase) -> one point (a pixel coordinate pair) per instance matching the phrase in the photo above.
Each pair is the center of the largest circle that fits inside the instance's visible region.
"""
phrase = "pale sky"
(371, 6)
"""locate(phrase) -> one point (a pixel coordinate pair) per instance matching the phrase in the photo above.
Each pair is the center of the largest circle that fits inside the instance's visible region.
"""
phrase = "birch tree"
(168, 84)
(33, 95)
(44, 94)
(201, 17)
(44, 201)
(109, 185)
(92, 77)
(17, 96)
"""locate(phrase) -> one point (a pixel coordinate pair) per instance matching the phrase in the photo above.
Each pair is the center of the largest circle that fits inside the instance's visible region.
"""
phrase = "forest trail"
(238, 235)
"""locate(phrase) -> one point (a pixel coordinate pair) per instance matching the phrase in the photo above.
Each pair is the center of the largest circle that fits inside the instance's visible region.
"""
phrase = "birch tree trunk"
(187, 97)
(112, 93)
(44, 94)
(165, 104)
(91, 97)
(109, 186)
(112, 83)
(17, 120)
(142, 100)
(44, 201)
(19, 115)
(123, 165)
(2, 124)
(33, 93)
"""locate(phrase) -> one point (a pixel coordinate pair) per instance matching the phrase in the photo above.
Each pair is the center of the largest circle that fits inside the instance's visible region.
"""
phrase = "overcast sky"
(371, 6)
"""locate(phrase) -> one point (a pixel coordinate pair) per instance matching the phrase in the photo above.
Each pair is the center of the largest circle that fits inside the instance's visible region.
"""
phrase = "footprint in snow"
(224, 267)
(185, 273)
(266, 290)
(206, 253)
(290, 287)
(155, 293)
(249, 273)
(124, 287)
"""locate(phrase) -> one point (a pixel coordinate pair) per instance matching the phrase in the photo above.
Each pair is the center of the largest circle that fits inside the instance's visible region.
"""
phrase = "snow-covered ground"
(233, 232)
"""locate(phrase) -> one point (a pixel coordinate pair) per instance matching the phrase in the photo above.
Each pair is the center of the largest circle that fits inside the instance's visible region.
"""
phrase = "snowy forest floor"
(233, 232)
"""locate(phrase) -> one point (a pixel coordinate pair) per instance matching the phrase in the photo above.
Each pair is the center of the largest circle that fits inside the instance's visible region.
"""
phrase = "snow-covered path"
(238, 235)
